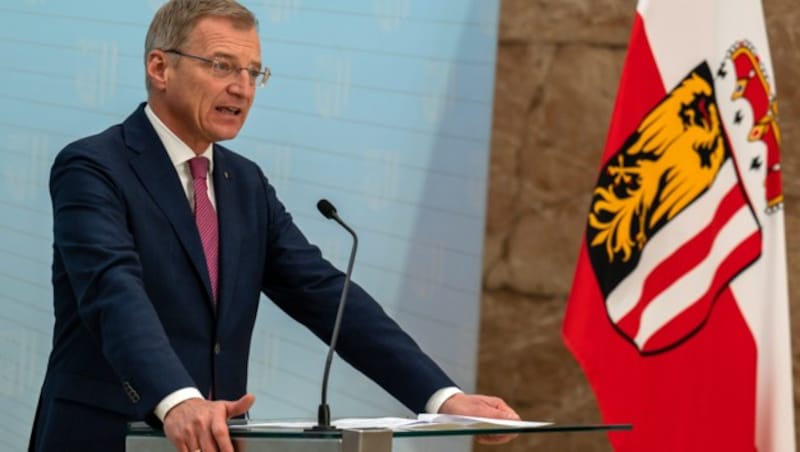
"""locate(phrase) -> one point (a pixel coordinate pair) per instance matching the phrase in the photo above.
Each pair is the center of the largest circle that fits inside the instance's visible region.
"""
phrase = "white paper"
(473, 421)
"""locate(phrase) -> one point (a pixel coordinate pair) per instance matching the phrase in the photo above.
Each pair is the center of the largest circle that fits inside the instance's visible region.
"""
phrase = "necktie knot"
(199, 167)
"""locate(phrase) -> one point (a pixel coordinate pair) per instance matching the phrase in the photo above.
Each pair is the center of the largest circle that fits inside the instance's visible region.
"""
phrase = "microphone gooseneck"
(323, 413)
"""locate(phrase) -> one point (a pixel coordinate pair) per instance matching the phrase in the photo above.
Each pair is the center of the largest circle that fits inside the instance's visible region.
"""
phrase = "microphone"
(324, 413)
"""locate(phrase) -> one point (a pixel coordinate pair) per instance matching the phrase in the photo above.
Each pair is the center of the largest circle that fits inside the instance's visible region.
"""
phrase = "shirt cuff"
(439, 397)
(169, 402)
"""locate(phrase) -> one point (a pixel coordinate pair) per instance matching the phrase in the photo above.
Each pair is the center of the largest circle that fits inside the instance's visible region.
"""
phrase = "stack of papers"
(452, 420)
(423, 421)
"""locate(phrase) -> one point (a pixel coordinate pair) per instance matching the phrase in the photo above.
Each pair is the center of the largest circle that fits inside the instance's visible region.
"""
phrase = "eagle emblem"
(671, 222)
(672, 158)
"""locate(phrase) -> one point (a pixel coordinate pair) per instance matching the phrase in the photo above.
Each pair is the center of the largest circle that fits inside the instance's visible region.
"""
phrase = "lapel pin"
(227, 176)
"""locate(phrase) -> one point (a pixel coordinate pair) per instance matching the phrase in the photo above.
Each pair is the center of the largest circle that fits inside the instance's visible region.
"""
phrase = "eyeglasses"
(222, 68)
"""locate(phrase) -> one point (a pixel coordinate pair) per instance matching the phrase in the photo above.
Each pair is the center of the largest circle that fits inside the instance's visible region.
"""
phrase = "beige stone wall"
(558, 66)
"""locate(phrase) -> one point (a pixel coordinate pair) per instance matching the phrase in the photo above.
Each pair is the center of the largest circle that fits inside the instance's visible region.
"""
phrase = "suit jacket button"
(132, 394)
(217, 348)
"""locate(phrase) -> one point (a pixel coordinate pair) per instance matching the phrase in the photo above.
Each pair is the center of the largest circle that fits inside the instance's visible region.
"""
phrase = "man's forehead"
(223, 36)
(212, 25)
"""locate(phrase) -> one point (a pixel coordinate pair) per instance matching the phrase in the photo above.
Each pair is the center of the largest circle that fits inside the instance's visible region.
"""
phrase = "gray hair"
(176, 19)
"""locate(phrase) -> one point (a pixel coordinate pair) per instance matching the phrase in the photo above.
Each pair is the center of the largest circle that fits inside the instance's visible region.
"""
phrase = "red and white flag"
(678, 312)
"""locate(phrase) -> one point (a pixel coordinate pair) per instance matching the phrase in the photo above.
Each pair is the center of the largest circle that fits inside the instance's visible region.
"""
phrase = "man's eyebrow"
(230, 57)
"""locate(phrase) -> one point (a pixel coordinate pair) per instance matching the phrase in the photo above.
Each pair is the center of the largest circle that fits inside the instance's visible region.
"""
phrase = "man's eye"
(222, 66)
(254, 73)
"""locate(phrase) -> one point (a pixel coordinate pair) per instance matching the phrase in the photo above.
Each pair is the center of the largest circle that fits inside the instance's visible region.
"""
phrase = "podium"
(142, 438)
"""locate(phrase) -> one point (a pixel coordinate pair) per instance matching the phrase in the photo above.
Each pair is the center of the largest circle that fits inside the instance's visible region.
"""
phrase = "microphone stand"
(323, 412)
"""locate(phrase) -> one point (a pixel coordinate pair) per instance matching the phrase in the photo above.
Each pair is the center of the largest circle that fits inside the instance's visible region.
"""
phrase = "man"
(163, 242)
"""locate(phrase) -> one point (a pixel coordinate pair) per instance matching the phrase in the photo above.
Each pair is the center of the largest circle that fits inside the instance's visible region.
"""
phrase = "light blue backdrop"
(382, 106)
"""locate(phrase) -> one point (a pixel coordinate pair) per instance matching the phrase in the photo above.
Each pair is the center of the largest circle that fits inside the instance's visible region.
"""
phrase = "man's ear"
(157, 69)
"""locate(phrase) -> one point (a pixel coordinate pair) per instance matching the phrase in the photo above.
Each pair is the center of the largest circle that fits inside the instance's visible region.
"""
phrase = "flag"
(678, 312)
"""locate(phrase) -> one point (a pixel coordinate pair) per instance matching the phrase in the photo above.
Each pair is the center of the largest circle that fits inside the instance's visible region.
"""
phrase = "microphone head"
(326, 208)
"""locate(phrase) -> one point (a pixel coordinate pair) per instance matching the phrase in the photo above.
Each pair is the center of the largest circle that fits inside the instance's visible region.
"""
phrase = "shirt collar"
(178, 151)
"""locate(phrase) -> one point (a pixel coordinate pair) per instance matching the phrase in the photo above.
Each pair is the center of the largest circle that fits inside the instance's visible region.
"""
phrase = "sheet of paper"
(273, 424)
(345, 423)
(445, 420)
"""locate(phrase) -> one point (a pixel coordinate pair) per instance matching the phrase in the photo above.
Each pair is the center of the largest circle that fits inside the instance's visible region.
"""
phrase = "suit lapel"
(154, 169)
(229, 225)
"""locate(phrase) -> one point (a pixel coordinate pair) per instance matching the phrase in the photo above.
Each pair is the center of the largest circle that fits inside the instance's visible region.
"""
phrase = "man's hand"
(482, 406)
(202, 425)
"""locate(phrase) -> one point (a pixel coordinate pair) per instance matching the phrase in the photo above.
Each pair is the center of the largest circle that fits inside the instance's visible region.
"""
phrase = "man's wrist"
(438, 398)
(169, 402)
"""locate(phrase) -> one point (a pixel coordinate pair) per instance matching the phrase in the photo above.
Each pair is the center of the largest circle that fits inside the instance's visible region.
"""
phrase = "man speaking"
(164, 241)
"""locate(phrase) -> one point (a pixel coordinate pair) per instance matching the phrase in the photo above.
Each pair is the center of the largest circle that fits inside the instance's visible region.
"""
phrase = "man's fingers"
(200, 428)
(198, 424)
(506, 412)
(501, 408)
(510, 413)
(207, 442)
(489, 406)
(219, 430)
(239, 407)
(186, 437)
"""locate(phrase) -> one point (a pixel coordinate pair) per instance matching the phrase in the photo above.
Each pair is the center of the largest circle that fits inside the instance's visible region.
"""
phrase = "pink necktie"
(206, 218)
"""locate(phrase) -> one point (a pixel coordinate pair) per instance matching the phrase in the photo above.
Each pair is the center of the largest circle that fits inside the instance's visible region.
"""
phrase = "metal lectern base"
(350, 441)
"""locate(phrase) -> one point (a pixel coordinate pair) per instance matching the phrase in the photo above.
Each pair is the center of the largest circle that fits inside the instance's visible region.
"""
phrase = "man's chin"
(223, 135)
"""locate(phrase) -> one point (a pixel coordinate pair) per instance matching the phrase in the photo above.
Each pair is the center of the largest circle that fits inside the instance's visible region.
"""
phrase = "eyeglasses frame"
(257, 78)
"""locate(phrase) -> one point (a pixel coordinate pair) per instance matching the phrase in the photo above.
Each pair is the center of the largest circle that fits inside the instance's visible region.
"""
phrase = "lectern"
(142, 438)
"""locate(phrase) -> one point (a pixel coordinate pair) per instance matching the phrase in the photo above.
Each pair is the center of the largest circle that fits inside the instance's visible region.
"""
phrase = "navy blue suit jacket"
(134, 317)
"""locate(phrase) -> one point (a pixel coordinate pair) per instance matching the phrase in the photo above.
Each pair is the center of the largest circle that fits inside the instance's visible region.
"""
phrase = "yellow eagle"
(673, 157)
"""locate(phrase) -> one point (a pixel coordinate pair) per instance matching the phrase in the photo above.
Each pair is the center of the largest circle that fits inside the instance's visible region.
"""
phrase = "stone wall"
(558, 67)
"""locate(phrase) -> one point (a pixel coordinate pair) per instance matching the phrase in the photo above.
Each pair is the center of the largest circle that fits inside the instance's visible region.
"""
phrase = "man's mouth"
(230, 110)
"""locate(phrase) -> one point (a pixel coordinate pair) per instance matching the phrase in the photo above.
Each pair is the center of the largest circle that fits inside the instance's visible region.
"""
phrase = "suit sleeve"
(307, 287)
(104, 272)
